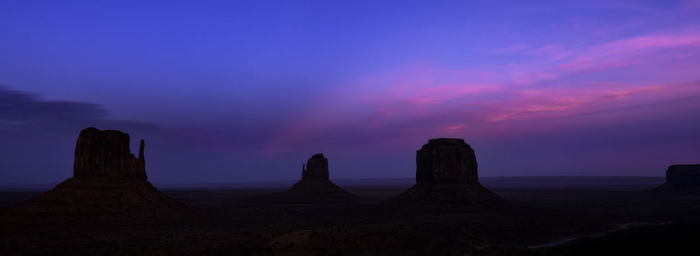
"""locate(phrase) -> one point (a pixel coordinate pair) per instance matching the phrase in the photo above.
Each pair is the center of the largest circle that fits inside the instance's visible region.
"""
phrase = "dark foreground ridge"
(108, 183)
(682, 179)
(447, 172)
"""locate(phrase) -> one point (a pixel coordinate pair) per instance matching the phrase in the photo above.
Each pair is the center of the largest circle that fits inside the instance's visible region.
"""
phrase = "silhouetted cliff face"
(107, 154)
(108, 183)
(682, 179)
(447, 173)
(683, 175)
(316, 167)
(446, 160)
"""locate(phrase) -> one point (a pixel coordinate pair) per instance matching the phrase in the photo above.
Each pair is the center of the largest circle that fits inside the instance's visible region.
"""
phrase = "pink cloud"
(641, 43)
(533, 103)
(403, 118)
(427, 100)
(555, 62)
(534, 78)
(625, 52)
(593, 65)
(440, 94)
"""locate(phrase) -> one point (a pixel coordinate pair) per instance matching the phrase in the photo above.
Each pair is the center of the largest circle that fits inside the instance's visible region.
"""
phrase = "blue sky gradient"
(238, 91)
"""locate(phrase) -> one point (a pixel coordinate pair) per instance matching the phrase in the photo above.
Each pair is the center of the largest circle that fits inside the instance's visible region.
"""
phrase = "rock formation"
(106, 154)
(316, 167)
(447, 172)
(108, 183)
(315, 183)
(683, 179)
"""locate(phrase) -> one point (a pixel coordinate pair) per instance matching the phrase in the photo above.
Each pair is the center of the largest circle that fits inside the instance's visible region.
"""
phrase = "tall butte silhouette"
(108, 183)
(447, 173)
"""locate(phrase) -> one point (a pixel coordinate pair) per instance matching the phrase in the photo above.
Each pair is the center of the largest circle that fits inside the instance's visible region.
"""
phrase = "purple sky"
(240, 91)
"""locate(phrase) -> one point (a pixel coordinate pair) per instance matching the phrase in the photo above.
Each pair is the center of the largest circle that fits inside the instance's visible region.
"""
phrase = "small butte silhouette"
(315, 181)
(108, 183)
(315, 186)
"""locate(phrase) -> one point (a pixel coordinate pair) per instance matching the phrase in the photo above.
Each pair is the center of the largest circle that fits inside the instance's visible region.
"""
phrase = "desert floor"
(543, 216)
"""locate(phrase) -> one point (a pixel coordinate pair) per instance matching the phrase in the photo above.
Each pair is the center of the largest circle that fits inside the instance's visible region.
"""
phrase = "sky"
(246, 91)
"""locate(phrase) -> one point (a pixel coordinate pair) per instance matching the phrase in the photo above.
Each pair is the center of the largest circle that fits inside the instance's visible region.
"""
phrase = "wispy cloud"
(533, 103)
(434, 101)
(635, 6)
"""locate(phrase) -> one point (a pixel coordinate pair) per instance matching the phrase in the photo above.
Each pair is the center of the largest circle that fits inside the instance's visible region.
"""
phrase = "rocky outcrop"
(447, 172)
(682, 179)
(107, 154)
(109, 183)
(316, 168)
(446, 161)
(315, 184)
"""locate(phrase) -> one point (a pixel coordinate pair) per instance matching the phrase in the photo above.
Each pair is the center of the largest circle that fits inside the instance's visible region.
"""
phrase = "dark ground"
(585, 211)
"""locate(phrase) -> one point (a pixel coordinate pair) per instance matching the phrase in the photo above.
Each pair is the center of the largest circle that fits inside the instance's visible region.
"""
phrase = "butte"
(447, 173)
(109, 183)
(315, 181)
(315, 186)
(681, 179)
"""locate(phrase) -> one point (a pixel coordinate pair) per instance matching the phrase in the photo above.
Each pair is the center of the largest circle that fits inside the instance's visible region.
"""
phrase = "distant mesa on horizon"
(447, 173)
(681, 179)
(108, 183)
